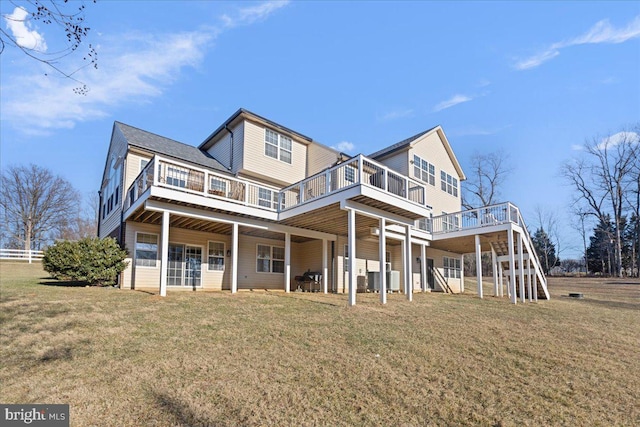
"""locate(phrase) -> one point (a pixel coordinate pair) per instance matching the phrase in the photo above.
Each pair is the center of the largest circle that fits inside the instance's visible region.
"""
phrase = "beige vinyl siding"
(149, 277)
(319, 158)
(398, 162)
(117, 149)
(432, 150)
(221, 149)
(248, 276)
(257, 164)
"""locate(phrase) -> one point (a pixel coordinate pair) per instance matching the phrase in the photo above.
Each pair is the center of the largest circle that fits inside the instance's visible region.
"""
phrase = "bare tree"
(67, 18)
(548, 247)
(601, 178)
(487, 174)
(36, 205)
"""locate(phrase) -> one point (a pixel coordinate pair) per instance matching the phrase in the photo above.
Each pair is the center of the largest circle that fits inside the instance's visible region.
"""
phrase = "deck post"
(164, 253)
(521, 267)
(287, 262)
(382, 252)
(512, 267)
(535, 286)
(325, 267)
(479, 264)
(462, 273)
(353, 284)
(423, 268)
(408, 263)
(529, 290)
(234, 258)
(494, 264)
(500, 280)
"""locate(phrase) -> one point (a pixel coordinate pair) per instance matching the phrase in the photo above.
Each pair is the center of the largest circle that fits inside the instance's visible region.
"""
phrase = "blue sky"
(534, 79)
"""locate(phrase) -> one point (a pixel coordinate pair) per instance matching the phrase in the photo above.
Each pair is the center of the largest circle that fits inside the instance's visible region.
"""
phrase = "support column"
(462, 273)
(494, 264)
(408, 263)
(529, 290)
(287, 262)
(351, 238)
(234, 258)
(164, 253)
(535, 286)
(382, 252)
(512, 268)
(521, 267)
(423, 268)
(325, 266)
(479, 265)
(500, 280)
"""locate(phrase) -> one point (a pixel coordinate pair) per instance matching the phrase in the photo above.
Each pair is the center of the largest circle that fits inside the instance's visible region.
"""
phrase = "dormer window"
(277, 146)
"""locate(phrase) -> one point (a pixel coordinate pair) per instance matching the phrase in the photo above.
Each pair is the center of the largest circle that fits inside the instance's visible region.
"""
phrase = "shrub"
(92, 260)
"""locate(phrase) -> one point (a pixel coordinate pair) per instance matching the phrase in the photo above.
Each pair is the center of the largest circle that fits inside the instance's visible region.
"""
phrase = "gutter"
(231, 150)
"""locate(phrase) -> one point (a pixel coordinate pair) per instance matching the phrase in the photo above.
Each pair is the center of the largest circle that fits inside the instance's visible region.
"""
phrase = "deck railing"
(359, 170)
(172, 174)
(356, 171)
(476, 218)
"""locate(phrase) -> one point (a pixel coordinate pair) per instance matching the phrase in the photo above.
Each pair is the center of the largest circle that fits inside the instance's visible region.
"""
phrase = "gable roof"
(159, 144)
(206, 144)
(399, 145)
(405, 144)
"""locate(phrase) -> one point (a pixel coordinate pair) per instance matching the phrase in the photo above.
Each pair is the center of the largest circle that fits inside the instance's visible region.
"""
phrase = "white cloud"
(20, 28)
(344, 147)
(618, 138)
(133, 68)
(577, 147)
(249, 15)
(397, 114)
(454, 100)
(601, 32)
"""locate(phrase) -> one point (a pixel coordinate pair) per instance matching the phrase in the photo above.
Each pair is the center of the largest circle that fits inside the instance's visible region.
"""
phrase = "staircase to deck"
(510, 241)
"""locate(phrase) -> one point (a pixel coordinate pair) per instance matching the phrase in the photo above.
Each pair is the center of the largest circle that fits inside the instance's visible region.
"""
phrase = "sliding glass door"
(185, 265)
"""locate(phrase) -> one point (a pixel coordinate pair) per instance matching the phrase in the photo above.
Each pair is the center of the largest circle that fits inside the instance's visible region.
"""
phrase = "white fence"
(21, 255)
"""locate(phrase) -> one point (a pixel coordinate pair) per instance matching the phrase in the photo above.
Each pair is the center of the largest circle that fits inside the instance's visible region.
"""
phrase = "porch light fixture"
(228, 252)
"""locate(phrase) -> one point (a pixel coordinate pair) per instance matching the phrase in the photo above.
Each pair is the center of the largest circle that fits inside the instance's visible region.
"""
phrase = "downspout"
(231, 150)
(99, 211)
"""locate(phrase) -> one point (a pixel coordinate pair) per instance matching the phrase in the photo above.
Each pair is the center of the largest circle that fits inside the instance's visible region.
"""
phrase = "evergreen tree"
(545, 249)
(600, 252)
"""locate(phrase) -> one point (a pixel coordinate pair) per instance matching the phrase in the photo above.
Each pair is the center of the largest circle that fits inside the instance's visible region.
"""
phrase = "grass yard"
(127, 358)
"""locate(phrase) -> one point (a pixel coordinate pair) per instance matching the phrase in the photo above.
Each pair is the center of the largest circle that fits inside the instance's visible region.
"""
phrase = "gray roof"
(168, 147)
(399, 145)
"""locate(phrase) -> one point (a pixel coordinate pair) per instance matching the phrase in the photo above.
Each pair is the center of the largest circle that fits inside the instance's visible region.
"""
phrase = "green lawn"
(127, 358)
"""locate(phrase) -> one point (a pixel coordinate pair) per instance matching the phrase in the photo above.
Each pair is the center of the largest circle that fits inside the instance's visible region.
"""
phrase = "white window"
(269, 259)
(177, 177)
(424, 170)
(216, 256)
(146, 249)
(350, 174)
(267, 198)
(451, 267)
(218, 186)
(277, 146)
(448, 184)
(450, 222)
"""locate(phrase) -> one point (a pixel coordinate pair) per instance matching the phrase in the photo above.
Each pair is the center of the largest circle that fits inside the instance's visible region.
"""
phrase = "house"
(260, 206)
